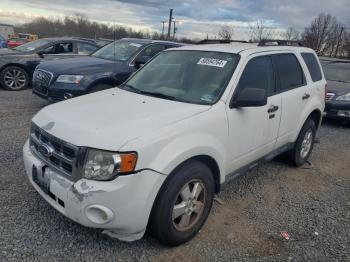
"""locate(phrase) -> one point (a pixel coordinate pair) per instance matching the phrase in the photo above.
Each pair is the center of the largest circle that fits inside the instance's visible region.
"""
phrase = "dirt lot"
(311, 203)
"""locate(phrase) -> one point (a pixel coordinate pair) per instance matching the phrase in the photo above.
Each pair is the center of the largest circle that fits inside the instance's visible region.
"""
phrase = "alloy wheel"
(15, 79)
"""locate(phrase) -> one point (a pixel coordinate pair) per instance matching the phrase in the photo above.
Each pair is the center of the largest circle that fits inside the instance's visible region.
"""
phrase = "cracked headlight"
(343, 97)
(105, 165)
(69, 79)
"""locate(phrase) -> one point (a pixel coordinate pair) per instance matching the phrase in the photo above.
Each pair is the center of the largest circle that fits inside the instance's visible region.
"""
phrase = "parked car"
(108, 67)
(155, 150)
(3, 42)
(14, 42)
(337, 73)
(17, 65)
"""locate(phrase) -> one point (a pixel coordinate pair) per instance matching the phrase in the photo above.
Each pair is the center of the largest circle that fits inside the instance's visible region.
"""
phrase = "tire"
(99, 87)
(304, 144)
(14, 78)
(175, 231)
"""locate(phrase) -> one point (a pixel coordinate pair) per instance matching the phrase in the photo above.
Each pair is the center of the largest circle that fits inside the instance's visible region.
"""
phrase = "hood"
(79, 65)
(8, 51)
(338, 88)
(109, 119)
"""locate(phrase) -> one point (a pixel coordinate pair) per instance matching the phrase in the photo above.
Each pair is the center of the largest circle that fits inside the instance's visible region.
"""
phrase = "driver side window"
(258, 73)
(152, 50)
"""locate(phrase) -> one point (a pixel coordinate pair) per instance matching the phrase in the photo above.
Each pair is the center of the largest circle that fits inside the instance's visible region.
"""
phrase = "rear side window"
(312, 65)
(258, 73)
(289, 71)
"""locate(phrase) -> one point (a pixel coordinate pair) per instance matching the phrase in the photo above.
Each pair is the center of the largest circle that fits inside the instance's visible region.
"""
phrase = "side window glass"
(258, 73)
(290, 72)
(152, 50)
(313, 66)
(86, 49)
(64, 48)
(49, 50)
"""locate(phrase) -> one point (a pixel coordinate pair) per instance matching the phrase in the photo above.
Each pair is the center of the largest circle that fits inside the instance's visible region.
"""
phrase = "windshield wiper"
(155, 94)
(159, 95)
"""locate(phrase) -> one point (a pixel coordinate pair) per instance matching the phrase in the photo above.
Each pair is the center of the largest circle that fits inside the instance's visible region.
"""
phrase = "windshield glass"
(117, 51)
(30, 46)
(197, 77)
(338, 71)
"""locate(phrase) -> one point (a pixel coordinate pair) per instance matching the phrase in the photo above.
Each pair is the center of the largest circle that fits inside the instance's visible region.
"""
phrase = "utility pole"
(175, 29)
(163, 22)
(169, 25)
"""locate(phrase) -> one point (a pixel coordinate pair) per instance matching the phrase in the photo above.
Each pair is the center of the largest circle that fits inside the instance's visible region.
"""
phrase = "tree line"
(326, 35)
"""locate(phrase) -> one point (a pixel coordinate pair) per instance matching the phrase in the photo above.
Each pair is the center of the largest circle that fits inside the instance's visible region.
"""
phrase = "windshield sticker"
(207, 98)
(134, 44)
(212, 62)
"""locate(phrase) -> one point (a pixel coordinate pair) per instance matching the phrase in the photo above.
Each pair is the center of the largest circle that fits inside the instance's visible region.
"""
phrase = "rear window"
(313, 66)
(290, 73)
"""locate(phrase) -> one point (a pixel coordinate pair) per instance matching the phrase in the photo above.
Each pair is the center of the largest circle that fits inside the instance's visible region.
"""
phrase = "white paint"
(166, 133)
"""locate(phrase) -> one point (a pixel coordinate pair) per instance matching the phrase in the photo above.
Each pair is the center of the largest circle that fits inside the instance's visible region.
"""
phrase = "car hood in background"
(338, 88)
(10, 52)
(79, 65)
(109, 119)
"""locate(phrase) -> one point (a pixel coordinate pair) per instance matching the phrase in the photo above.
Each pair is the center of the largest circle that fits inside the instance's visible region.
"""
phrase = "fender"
(313, 105)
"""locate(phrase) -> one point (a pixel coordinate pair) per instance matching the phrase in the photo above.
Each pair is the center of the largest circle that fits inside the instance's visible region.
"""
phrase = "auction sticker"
(212, 62)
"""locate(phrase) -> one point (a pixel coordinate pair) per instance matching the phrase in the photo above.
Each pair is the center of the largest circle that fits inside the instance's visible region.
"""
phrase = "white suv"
(154, 151)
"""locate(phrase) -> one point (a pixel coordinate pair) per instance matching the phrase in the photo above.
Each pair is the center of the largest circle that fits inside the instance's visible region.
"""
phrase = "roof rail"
(219, 41)
(274, 42)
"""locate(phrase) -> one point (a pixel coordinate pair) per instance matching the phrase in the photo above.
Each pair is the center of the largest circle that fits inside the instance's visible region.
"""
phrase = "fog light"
(99, 214)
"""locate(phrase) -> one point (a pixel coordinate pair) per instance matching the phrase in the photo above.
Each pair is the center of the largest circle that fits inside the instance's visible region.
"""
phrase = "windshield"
(117, 51)
(338, 71)
(32, 45)
(197, 77)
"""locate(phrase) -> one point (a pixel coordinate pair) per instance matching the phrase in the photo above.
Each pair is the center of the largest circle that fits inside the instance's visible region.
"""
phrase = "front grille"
(41, 80)
(329, 96)
(62, 155)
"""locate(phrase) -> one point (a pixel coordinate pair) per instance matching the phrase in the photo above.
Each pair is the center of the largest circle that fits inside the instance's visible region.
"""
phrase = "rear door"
(295, 94)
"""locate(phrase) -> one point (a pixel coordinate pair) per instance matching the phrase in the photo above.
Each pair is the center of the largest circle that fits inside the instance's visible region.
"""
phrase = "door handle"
(306, 96)
(272, 109)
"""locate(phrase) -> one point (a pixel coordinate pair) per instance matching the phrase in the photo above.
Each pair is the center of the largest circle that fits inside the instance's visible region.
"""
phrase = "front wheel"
(304, 144)
(183, 204)
(14, 78)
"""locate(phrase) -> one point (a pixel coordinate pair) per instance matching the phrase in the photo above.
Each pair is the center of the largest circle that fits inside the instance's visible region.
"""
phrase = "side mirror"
(250, 97)
(140, 61)
(41, 53)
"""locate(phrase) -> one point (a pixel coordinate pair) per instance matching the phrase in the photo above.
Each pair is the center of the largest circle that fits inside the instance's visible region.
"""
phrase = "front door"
(253, 130)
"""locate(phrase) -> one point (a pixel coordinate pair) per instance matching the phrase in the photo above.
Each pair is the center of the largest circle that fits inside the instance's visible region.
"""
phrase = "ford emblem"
(45, 150)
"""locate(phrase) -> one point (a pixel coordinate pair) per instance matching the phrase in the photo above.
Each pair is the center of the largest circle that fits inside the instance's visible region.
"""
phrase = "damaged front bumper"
(121, 207)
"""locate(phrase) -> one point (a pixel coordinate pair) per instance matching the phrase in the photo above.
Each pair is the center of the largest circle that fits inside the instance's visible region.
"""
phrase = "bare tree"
(291, 34)
(260, 31)
(226, 32)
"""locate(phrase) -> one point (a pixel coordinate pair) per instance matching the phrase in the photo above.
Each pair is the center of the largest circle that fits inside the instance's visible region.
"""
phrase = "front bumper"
(121, 207)
(59, 91)
(337, 109)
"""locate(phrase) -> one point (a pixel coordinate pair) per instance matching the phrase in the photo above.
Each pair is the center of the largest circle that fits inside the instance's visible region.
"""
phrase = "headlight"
(104, 165)
(70, 79)
(343, 97)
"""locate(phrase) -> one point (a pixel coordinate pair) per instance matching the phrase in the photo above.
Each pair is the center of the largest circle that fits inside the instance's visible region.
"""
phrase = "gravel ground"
(311, 203)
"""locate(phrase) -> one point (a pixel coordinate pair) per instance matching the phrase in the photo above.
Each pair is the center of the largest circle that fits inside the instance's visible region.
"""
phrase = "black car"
(108, 67)
(337, 73)
(18, 64)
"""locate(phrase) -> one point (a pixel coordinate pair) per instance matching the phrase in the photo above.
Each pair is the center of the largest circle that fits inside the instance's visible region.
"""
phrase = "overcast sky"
(196, 17)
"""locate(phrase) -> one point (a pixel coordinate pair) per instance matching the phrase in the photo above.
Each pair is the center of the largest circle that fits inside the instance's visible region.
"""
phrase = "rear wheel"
(304, 144)
(183, 204)
(99, 87)
(14, 78)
